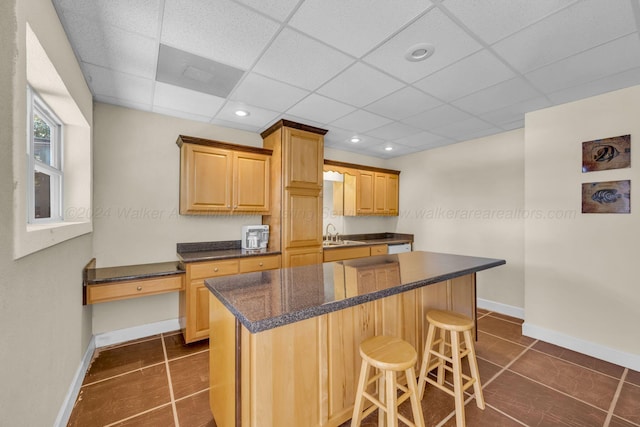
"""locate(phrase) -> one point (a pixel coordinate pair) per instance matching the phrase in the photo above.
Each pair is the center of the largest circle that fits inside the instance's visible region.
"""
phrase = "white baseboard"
(501, 308)
(628, 360)
(136, 332)
(70, 399)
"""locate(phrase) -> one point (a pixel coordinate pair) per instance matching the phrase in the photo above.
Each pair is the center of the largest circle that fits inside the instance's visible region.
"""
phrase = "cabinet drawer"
(379, 250)
(259, 263)
(202, 270)
(132, 289)
(346, 253)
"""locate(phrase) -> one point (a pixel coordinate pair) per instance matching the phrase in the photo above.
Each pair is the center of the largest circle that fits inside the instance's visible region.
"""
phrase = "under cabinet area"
(218, 177)
(194, 299)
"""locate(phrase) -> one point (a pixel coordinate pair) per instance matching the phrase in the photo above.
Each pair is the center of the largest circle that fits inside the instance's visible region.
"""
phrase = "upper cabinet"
(303, 154)
(365, 190)
(221, 177)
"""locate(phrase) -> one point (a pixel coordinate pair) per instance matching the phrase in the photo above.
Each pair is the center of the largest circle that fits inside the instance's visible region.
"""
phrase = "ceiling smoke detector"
(419, 52)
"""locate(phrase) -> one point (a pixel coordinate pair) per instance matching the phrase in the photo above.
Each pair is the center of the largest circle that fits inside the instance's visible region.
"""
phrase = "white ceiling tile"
(513, 112)
(267, 93)
(302, 120)
(181, 114)
(518, 124)
(296, 59)
(438, 116)
(597, 87)
(118, 85)
(360, 85)
(618, 55)
(112, 47)
(493, 20)
(394, 131)
(403, 103)
(579, 27)
(186, 100)
(278, 9)
(140, 16)
(455, 81)
(220, 30)
(123, 102)
(258, 117)
(234, 125)
(497, 96)
(450, 41)
(321, 109)
(397, 150)
(355, 26)
(342, 137)
(467, 129)
(423, 139)
(360, 121)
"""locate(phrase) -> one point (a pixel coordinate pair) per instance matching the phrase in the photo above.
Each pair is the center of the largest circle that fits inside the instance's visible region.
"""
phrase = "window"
(44, 162)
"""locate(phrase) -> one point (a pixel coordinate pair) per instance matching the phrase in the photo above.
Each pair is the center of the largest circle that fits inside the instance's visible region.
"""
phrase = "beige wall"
(580, 281)
(467, 198)
(45, 329)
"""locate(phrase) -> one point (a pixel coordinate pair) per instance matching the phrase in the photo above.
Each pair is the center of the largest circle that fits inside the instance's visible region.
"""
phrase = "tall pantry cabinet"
(296, 179)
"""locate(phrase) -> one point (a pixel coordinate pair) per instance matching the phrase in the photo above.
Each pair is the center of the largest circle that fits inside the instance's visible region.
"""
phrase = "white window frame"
(35, 104)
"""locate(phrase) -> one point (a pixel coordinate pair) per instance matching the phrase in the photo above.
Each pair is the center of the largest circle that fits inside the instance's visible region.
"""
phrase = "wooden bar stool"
(389, 355)
(453, 353)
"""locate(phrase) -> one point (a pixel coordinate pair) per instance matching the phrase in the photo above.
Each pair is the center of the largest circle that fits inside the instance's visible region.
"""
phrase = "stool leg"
(441, 346)
(356, 419)
(391, 399)
(473, 367)
(458, 393)
(426, 358)
(382, 393)
(418, 418)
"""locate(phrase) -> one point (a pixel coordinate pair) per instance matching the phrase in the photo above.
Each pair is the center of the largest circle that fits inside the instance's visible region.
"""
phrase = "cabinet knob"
(139, 288)
(261, 264)
(228, 206)
(235, 206)
(215, 269)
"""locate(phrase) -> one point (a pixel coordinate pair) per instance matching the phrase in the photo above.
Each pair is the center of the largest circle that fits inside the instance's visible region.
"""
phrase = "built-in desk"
(284, 343)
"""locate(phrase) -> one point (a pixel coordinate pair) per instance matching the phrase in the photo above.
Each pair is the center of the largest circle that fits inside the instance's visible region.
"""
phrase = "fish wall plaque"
(606, 197)
(608, 153)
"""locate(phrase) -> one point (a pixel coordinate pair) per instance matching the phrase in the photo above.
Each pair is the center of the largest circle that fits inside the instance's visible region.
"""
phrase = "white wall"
(45, 329)
(581, 283)
(467, 198)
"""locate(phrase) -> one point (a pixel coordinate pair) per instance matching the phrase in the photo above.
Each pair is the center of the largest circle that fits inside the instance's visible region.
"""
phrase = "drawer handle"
(261, 264)
(215, 269)
(139, 288)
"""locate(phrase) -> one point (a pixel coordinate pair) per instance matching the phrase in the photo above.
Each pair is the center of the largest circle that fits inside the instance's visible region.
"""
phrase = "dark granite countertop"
(373, 239)
(292, 294)
(95, 276)
(211, 251)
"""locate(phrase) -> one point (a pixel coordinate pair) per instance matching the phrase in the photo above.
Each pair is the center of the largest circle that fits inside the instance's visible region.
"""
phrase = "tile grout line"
(508, 365)
(173, 401)
(504, 320)
(122, 374)
(193, 394)
(616, 395)
(574, 363)
(136, 415)
(188, 355)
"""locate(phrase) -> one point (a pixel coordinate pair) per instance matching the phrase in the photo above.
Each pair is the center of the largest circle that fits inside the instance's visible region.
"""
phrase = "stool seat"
(390, 356)
(449, 320)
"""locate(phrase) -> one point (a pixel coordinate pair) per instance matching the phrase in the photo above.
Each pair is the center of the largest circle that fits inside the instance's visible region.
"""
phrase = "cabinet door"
(251, 189)
(197, 312)
(391, 205)
(303, 159)
(380, 194)
(205, 179)
(302, 256)
(364, 193)
(302, 225)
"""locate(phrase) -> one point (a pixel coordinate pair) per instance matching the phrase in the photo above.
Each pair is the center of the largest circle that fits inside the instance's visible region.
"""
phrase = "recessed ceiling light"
(355, 140)
(241, 113)
(388, 148)
(419, 52)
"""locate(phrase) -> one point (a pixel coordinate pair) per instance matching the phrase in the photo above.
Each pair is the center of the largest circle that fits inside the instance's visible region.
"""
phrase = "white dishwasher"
(397, 249)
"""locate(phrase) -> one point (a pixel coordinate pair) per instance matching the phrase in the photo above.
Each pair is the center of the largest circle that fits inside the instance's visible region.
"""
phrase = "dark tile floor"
(160, 381)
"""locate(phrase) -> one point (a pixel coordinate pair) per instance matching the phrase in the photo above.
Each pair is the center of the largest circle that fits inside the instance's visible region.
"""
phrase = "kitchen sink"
(341, 243)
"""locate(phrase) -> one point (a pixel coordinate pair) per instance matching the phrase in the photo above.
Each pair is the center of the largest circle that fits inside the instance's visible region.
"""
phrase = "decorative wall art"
(606, 197)
(608, 153)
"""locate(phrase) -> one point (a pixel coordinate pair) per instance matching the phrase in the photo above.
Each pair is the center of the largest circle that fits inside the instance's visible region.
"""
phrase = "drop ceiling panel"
(278, 9)
(423, 139)
(493, 20)
(597, 87)
(189, 101)
(320, 108)
(257, 119)
(355, 26)
(111, 47)
(360, 121)
(360, 85)
(506, 115)
(593, 64)
(450, 41)
(467, 129)
(181, 114)
(123, 102)
(267, 93)
(393, 131)
(497, 96)
(455, 81)
(403, 103)
(579, 27)
(301, 61)
(220, 30)
(439, 116)
(140, 16)
(125, 87)
(342, 137)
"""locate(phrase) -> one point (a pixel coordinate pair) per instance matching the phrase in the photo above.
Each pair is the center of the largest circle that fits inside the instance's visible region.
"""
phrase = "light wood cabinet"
(365, 190)
(353, 252)
(296, 174)
(194, 300)
(224, 178)
(132, 288)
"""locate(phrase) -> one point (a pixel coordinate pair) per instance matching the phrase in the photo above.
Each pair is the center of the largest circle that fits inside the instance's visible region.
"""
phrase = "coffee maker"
(255, 237)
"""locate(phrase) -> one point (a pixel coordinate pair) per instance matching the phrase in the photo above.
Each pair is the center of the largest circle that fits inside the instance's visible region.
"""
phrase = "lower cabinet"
(353, 252)
(194, 300)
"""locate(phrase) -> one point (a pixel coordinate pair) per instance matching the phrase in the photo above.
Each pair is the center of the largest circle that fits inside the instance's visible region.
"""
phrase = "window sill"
(40, 236)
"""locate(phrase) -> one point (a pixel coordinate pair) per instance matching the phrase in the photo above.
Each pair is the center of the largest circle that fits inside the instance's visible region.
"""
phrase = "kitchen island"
(284, 343)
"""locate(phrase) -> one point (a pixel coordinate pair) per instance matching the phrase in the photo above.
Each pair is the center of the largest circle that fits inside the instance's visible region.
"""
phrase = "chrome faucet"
(330, 236)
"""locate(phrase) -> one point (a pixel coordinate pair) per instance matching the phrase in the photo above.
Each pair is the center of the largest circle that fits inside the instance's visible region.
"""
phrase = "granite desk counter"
(284, 346)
